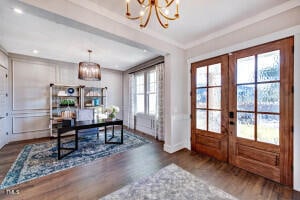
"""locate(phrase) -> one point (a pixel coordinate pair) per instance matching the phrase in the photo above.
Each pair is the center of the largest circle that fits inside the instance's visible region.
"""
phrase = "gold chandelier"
(162, 12)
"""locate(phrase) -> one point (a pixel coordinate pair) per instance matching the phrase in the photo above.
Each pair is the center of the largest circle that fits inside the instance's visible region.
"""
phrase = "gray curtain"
(159, 118)
(131, 111)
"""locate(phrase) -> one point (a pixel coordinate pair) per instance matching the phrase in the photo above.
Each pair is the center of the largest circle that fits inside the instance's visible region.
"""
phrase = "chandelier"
(161, 10)
(89, 71)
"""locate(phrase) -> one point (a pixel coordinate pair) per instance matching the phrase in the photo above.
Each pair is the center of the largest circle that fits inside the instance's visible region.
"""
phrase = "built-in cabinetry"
(3, 99)
(65, 100)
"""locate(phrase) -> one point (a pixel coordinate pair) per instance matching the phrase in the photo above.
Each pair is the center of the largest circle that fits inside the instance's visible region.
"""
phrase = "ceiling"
(198, 18)
(23, 33)
(59, 40)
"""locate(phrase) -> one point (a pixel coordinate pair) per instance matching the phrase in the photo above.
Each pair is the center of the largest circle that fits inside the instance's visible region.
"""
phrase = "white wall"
(175, 65)
(277, 27)
(29, 88)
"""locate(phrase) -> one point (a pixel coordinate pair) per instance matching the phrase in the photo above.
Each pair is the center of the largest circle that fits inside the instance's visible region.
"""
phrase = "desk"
(80, 125)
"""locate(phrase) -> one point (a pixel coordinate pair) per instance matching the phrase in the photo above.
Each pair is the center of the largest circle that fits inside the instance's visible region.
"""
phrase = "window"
(140, 93)
(146, 86)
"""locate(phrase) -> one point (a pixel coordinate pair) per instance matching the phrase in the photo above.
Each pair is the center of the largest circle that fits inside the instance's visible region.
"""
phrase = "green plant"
(67, 102)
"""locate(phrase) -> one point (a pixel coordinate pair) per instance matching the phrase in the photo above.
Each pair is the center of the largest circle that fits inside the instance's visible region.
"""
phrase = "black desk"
(80, 125)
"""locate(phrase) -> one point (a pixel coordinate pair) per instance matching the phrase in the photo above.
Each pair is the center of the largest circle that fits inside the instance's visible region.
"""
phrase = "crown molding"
(292, 31)
(123, 20)
(244, 23)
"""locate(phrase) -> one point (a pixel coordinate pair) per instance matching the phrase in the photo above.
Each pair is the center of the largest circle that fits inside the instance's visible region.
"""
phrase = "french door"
(209, 107)
(256, 113)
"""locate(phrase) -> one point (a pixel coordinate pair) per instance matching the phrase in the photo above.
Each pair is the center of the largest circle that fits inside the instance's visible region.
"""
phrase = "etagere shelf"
(65, 100)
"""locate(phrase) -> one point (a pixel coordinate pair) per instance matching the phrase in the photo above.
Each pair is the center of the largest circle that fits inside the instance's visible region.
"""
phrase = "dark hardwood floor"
(102, 177)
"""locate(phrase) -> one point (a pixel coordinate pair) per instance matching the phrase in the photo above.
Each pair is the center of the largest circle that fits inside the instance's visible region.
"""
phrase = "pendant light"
(89, 71)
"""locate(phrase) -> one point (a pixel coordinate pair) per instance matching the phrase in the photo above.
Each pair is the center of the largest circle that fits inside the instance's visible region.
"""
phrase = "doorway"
(242, 109)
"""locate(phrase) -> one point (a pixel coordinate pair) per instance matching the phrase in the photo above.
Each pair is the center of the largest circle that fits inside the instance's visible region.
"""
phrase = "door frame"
(286, 177)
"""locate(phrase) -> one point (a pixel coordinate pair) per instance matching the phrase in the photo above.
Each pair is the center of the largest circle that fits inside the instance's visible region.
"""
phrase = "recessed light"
(35, 51)
(18, 10)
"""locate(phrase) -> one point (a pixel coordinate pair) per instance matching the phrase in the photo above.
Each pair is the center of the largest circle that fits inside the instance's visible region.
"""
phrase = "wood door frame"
(223, 137)
(286, 109)
(285, 150)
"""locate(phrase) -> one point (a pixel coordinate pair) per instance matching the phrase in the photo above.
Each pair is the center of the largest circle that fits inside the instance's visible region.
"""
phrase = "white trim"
(246, 44)
(296, 113)
(244, 23)
(174, 148)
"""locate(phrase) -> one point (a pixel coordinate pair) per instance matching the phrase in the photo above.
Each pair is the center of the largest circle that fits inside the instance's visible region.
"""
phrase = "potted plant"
(67, 102)
(112, 111)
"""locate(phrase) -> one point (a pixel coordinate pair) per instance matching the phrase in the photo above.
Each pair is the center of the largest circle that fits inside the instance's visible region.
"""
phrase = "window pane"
(201, 119)
(152, 104)
(201, 98)
(201, 77)
(214, 75)
(152, 76)
(140, 88)
(245, 125)
(246, 70)
(214, 121)
(214, 98)
(268, 97)
(140, 83)
(268, 128)
(268, 66)
(152, 87)
(245, 97)
(140, 79)
(140, 103)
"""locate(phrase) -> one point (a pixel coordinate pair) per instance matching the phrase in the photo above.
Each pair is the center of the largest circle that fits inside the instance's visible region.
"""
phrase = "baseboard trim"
(174, 148)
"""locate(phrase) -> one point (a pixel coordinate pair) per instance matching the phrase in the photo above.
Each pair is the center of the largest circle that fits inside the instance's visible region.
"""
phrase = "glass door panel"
(258, 97)
(208, 97)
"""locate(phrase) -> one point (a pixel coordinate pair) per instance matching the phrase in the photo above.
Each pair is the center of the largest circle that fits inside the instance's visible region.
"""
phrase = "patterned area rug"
(37, 160)
(170, 183)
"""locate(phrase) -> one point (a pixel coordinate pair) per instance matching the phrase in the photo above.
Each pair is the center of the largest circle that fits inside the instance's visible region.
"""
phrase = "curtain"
(159, 118)
(131, 111)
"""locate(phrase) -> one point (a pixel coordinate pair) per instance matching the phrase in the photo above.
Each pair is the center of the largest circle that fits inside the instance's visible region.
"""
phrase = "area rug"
(170, 183)
(37, 160)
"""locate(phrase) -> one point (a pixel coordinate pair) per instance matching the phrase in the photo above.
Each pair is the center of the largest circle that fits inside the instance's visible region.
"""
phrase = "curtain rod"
(141, 69)
(147, 64)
